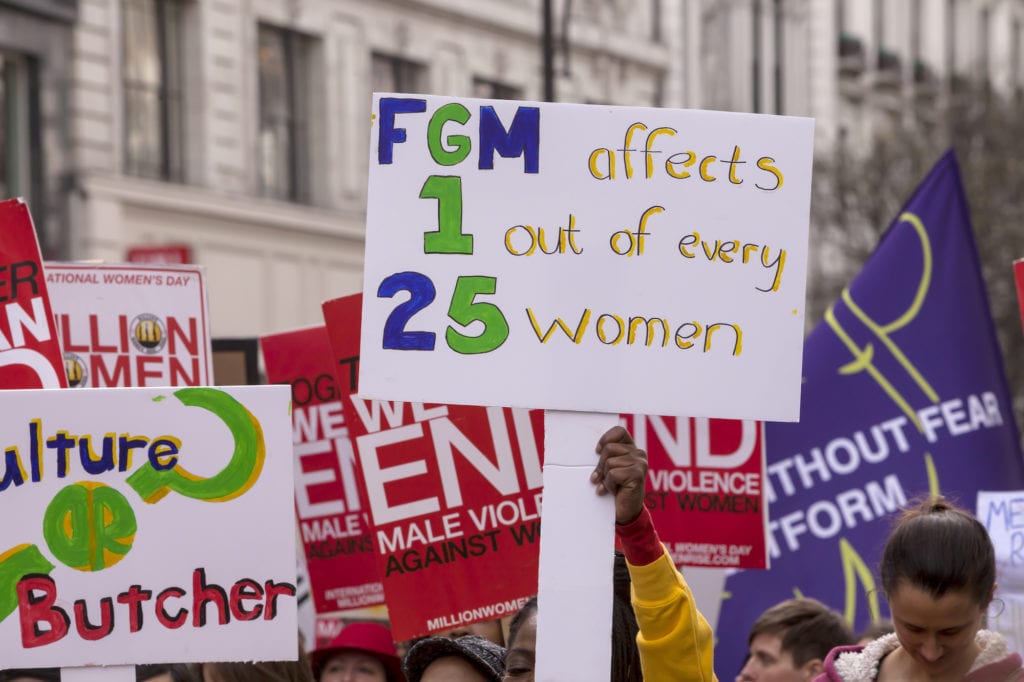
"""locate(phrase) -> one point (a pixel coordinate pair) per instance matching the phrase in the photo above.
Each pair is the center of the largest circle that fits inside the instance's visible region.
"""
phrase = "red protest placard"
(30, 355)
(165, 254)
(454, 495)
(705, 488)
(128, 325)
(331, 511)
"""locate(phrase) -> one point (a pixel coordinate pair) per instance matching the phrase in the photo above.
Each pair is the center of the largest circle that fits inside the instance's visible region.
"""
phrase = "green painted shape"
(91, 534)
(238, 474)
(449, 112)
(13, 568)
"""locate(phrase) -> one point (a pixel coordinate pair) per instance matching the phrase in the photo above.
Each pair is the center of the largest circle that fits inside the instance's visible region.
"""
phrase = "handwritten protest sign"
(125, 325)
(705, 488)
(29, 350)
(1002, 513)
(146, 525)
(613, 259)
(331, 510)
(558, 248)
(454, 495)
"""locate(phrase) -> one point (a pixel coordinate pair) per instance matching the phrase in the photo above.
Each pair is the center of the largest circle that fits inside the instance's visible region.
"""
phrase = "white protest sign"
(132, 325)
(586, 258)
(146, 526)
(1002, 514)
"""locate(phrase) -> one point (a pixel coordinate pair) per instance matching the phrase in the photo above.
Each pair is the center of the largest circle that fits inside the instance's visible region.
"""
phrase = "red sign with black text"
(705, 488)
(30, 355)
(454, 495)
(331, 510)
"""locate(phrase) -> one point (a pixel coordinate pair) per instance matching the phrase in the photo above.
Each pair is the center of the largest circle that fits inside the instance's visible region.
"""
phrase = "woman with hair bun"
(939, 575)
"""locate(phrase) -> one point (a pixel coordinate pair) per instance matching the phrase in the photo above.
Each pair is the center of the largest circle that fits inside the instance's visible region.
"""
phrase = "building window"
(152, 89)
(1015, 56)
(16, 130)
(284, 114)
(757, 42)
(916, 51)
(394, 74)
(488, 89)
(984, 38)
(951, 36)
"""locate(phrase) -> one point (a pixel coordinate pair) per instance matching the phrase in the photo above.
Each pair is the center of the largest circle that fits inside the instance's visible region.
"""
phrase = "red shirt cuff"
(639, 540)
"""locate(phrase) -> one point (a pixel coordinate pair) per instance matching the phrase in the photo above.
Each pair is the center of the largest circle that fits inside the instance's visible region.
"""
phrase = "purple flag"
(904, 394)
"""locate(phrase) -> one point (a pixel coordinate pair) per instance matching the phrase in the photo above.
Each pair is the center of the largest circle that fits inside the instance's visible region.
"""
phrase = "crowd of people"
(938, 575)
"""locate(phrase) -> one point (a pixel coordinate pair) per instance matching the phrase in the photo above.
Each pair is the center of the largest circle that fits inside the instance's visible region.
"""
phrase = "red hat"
(368, 638)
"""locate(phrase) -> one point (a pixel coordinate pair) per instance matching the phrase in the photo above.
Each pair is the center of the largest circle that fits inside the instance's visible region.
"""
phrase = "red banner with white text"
(705, 488)
(454, 495)
(331, 510)
(128, 325)
(30, 355)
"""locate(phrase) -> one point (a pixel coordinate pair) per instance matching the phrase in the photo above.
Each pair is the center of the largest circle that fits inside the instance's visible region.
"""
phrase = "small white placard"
(146, 526)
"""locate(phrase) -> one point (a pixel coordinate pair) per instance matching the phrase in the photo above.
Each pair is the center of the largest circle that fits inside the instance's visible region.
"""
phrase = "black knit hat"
(483, 654)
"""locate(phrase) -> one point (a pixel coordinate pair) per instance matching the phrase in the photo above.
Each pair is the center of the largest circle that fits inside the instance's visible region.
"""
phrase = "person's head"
(625, 655)
(939, 574)
(521, 655)
(876, 629)
(466, 659)
(30, 675)
(790, 641)
(489, 629)
(362, 652)
(164, 672)
(275, 671)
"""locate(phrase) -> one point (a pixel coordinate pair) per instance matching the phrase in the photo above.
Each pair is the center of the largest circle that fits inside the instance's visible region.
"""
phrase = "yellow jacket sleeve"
(675, 641)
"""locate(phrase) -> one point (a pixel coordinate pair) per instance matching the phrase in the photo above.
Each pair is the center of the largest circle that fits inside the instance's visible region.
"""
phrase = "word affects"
(680, 165)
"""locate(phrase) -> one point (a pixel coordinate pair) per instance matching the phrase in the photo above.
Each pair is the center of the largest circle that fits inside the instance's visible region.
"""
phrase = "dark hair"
(486, 657)
(527, 610)
(876, 629)
(271, 671)
(179, 672)
(274, 671)
(808, 628)
(48, 674)
(625, 655)
(939, 547)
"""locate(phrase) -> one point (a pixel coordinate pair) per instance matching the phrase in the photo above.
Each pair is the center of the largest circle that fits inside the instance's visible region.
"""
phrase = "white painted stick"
(117, 673)
(577, 540)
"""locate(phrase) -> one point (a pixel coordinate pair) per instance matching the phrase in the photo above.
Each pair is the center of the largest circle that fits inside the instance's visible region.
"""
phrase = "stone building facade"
(238, 128)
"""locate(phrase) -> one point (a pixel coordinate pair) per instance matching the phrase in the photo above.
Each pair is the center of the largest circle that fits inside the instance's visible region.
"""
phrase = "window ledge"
(189, 199)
